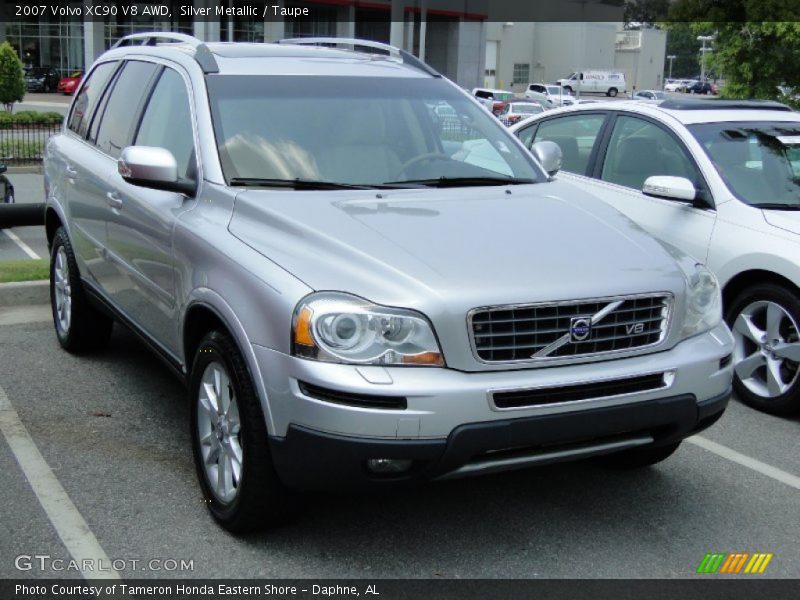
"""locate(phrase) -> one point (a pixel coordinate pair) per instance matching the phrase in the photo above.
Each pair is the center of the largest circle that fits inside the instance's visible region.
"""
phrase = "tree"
(756, 45)
(645, 13)
(12, 78)
(683, 45)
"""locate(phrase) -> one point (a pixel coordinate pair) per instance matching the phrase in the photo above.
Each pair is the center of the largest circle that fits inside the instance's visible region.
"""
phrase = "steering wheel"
(427, 157)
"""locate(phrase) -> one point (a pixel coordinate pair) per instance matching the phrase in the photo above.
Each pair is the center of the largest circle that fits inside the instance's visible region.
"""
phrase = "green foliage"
(646, 12)
(12, 78)
(757, 44)
(682, 43)
(26, 117)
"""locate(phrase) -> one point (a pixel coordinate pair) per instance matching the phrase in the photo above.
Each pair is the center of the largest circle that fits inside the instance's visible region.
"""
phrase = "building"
(448, 34)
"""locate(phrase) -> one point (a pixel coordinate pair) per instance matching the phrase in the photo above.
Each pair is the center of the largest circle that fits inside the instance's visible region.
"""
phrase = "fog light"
(386, 466)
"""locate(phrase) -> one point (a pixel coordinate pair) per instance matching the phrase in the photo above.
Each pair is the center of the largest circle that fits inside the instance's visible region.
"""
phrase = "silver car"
(355, 294)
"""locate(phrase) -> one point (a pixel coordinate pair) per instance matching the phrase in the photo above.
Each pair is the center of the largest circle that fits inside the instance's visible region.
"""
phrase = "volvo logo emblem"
(580, 328)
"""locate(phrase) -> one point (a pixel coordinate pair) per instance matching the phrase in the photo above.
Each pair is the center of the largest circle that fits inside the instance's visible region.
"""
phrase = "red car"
(68, 85)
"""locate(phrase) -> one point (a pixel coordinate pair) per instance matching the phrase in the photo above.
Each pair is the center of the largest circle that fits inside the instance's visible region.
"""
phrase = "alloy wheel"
(219, 430)
(767, 353)
(63, 291)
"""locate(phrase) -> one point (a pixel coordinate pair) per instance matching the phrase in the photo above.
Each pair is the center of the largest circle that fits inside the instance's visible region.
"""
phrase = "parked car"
(678, 85)
(353, 295)
(650, 95)
(701, 87)
(493, 99)
(609, 83)
(555, 93)
(69, 84)
(517, 110)
(5, 186)
(41, 79)
(718, 180)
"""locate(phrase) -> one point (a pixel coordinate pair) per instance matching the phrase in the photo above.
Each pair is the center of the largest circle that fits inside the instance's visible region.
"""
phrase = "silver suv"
(356, 289)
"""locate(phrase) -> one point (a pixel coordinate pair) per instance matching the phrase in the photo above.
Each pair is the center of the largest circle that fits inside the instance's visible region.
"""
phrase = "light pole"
(703, 50)
(671, 57)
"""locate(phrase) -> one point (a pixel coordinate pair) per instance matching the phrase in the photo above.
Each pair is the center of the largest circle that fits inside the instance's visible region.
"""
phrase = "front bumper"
(443, 407)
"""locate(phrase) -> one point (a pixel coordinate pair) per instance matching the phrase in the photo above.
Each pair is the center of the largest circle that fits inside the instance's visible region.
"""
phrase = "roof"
(690, 112)
(308, 56)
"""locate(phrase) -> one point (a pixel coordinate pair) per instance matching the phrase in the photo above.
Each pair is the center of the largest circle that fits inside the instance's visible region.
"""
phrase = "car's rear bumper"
(309, 459)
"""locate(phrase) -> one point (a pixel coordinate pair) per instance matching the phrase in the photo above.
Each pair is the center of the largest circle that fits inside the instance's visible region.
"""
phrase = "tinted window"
(576, 135)
(118, 118)
(87, 99)
(639, 149)
(167, 121)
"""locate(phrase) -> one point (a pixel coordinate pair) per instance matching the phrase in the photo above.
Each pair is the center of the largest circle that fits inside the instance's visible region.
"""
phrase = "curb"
(24, 169)
(25, 293)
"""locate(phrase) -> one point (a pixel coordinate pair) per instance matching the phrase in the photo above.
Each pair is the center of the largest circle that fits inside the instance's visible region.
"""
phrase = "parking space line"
(746, 461)
(22, 245)
(75, 534)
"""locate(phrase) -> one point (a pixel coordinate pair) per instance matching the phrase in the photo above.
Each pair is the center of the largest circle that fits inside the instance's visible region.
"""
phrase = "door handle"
(113, 199)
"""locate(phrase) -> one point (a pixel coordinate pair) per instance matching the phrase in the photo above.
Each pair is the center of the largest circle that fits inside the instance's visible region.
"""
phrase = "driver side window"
(639, 149)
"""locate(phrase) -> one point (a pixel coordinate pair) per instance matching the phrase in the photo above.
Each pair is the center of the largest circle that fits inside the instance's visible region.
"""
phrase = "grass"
(24, 270)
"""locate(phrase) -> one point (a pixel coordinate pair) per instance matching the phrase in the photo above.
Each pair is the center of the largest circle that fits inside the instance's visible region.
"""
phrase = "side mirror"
(3, 169)
(672, 188)
(549, 156)
(151, 167)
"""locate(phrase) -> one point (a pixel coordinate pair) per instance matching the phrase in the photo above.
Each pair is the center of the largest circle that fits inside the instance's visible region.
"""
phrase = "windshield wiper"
(776, 206)
(297, 184)
(464, 181)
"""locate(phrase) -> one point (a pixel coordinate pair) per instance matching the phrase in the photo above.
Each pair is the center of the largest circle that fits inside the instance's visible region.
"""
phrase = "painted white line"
(68, 522)
(17, 315)
(23, 246)
(746, 461)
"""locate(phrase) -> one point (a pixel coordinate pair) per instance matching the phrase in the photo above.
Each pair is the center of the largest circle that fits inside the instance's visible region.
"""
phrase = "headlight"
(703, 302)
(335, 327)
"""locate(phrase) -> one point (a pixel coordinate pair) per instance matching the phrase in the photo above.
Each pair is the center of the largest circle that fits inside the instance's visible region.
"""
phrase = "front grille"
(581, 391)
(542, 331)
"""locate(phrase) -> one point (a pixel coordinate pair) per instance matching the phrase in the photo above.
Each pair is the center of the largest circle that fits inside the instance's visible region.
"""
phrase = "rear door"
(82, 172)
(140, 232)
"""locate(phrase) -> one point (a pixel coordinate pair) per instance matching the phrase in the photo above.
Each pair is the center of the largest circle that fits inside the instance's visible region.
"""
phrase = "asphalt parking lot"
(113, 429)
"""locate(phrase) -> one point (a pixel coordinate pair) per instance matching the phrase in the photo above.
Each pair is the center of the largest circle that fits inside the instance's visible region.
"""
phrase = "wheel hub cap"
(63, 291)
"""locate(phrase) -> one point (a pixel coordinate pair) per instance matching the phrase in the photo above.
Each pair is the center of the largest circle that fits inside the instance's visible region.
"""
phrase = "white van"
(609, 83)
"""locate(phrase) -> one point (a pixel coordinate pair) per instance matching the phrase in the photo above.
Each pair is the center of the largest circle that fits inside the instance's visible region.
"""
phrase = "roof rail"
(692, 104)
(202, 54)
(393, 52)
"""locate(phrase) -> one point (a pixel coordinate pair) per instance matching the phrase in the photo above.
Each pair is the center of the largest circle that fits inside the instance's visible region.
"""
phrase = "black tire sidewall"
(61, 240)
(788, 402)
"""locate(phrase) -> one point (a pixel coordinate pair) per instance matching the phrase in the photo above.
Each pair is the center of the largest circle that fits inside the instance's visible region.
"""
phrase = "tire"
(257, 499)
(764, 319)
(636, 458)
(80, 327)
(612, 92)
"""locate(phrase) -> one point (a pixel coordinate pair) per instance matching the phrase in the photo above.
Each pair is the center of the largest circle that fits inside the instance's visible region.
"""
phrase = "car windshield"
(759, 161)
(359, 131)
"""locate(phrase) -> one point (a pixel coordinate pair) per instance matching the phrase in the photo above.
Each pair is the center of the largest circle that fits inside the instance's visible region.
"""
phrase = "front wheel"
(229, 439)
(764, 320)
(612, 92)
(636, 458)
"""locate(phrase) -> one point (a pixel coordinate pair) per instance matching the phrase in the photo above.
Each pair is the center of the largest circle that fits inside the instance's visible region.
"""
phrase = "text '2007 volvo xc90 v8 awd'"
(357, 290)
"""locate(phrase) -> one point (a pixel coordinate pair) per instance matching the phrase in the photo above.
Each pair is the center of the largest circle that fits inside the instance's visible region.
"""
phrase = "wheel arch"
(751, 277)
(207, 311)
(52, 221)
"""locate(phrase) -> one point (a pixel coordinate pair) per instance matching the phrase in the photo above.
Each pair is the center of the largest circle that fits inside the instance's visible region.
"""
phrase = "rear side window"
(576, 136)
(89, 96)
(167, 121)
(116, 126)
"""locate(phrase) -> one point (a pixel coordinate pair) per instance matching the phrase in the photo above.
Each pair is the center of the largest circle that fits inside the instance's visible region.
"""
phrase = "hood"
(783, 219)
(458, 248)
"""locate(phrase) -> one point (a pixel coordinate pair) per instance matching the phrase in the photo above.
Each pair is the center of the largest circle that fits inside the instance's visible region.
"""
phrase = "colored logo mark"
(735, 563)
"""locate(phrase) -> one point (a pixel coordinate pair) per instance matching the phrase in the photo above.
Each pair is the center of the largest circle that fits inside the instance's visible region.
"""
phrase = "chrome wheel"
(63, 291)
(767, 353)
(219, 432)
